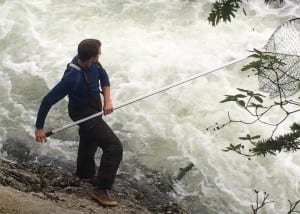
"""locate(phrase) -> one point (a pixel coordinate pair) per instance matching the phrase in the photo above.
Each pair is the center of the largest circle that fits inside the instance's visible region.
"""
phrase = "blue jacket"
(75, 85)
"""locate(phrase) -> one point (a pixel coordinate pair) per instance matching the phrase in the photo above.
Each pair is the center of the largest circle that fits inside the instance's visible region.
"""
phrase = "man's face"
(96, 58)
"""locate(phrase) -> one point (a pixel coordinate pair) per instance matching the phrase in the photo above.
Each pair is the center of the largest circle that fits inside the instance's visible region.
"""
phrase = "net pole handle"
(49, 133)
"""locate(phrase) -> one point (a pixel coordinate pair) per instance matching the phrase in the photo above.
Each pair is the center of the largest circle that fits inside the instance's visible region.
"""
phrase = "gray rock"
(16, 150)
(149, 192)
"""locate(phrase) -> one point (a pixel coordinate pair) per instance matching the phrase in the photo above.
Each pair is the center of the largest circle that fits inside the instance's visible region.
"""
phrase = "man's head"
(89, 49)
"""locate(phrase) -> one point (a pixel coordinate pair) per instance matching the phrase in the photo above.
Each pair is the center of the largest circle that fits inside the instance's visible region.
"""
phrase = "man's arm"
(56, 94)
(107, 107)
(105, 86)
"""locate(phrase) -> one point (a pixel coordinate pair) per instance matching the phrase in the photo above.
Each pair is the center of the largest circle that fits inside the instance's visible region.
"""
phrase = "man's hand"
(40, 135)
(108, 107)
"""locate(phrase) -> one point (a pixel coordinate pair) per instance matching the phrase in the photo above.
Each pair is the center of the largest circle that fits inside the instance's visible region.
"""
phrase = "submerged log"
(183, 171)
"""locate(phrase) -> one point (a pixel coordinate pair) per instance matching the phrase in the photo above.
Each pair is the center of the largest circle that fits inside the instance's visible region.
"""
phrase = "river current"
(146, 45)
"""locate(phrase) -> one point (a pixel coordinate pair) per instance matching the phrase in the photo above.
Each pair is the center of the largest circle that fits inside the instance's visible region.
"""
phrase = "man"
(81, 83)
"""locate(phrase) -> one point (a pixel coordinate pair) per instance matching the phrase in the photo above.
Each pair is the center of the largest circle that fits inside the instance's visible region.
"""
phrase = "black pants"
(96, 133)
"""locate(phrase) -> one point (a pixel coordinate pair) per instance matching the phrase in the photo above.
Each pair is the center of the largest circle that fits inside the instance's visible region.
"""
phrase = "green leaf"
(224, 101)
(295, 127)
(232, 98)
(256, 105)
(223, 10)
(250, 93)
(254, 56)
(238, 146)
(272, 153)
(257, 51)
(241, 103)
(243, 90)
(240, 96)
(248, 137)
(257, 94)
(252, 65)
(228, 99)
(259, 99)
(255, 137)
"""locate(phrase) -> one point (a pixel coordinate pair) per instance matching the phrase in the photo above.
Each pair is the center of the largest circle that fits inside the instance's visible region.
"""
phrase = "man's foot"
(102, 197)
(89, 180)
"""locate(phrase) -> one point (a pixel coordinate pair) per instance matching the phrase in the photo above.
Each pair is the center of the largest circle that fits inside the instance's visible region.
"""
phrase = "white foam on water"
(147, 45)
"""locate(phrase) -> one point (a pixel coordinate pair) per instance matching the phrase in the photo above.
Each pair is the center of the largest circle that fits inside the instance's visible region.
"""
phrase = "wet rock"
(59, 161)
(137, 188)
(16, 150)
(35, 177)
(150, 188)
(22, 151)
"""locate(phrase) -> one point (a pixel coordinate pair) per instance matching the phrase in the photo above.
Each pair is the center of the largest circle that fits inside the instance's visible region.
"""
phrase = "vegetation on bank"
(271, 68)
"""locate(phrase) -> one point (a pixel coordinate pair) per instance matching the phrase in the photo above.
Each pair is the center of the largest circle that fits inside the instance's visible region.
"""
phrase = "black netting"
(285, 45)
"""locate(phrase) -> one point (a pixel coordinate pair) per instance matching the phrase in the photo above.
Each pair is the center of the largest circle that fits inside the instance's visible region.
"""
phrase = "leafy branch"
(225, 10)
(287, 142)
(270, 67)
(258, 205)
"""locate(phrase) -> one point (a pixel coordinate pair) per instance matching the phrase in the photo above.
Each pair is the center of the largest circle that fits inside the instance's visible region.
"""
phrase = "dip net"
(284, 43)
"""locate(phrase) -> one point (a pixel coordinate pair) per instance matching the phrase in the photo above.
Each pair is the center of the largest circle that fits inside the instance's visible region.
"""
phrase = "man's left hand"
(108, 108)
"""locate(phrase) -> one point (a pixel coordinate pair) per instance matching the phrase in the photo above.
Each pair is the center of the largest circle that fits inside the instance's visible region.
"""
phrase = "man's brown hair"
(88, 48)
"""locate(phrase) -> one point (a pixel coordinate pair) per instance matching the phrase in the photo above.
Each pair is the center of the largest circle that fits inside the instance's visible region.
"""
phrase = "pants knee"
(115, 150)
(118, 150)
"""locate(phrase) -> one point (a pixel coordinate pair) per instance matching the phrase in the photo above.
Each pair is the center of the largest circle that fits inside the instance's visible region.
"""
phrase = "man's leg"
(111, 157)
(86, 155)
(110, 161)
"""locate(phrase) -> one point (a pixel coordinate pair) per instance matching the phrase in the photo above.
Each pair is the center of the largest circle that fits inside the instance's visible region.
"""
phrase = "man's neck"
(85, 64)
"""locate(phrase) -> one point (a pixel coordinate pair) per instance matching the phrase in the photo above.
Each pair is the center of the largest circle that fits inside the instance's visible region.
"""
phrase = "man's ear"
(94, 59)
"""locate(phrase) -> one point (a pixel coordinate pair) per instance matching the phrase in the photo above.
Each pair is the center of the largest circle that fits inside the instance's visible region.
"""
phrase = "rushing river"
(146, 45)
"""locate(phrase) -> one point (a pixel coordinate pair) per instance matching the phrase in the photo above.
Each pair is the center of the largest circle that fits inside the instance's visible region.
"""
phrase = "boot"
(102, 197)
(91, 180)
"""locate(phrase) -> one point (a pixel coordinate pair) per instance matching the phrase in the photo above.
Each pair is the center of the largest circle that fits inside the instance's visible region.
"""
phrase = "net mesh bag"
(284, 43)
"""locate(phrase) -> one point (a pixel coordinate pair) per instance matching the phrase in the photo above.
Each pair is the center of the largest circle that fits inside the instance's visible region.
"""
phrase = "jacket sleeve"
(104, 79)
(58, 92)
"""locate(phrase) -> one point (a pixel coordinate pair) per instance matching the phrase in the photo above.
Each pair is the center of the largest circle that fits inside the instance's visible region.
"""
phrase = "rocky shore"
(30, 187)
